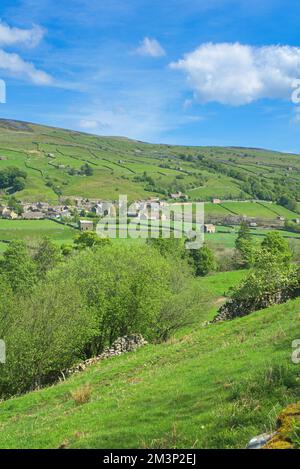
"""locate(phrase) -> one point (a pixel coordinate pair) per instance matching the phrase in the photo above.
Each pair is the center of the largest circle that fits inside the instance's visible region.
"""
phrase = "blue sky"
(197, 72)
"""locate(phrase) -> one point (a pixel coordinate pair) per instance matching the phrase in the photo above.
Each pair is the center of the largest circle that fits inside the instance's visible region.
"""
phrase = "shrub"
(125, 287)
(82, 395)
(18, 267)
(45, 333)
(202, 260)
(85, 304)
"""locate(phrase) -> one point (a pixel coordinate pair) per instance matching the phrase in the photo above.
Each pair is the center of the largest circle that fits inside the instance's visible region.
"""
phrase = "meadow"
(30, 231)
(33, 230)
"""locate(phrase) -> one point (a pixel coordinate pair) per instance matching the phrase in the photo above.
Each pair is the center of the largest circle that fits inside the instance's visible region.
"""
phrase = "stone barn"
(86, 225)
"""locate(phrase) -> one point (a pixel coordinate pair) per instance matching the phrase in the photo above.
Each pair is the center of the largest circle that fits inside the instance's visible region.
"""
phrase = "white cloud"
(12, 63)
(15, 65)
(28, 37)
(239, 74)
(89, 124)
(150, 47)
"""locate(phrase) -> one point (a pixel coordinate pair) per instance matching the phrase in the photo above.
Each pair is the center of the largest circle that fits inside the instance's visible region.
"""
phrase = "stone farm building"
(7, 213)
(86, 225)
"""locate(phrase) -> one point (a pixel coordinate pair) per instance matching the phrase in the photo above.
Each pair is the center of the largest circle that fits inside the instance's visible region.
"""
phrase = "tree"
(277, 245)
(15, 205)
(48, 335)
(203, 260)
(47, 256)
(244, 246)
(12, 179)
(88, 239)
(168, 246)
(288, 202)
(18, 185)
(271, 280)
(244, 234)
(18, 267)
(87, 169)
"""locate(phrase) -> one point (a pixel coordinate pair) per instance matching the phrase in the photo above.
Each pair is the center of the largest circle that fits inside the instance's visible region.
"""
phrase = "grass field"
(32, 230)
(215, 386)
(225, 236)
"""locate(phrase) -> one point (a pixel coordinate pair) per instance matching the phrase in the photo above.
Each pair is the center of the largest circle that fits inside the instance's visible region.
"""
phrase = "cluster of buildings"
(152, 209)
(7, 213)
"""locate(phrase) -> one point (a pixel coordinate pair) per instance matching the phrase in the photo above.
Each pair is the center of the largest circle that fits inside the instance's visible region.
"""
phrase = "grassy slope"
(117, 162)
(32, 230)
(192, 391)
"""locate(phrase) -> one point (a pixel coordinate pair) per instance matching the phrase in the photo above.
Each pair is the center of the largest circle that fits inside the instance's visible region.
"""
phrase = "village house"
(132, 214)
(86, 225)
(133, 210)
(8, 214)
(36, 207)
(216, 201)
(178, 195)
(209, 228)
(33, 215)
(98, 209)
(143, 216)
(43, 206)
(65, 213)
(104, 208)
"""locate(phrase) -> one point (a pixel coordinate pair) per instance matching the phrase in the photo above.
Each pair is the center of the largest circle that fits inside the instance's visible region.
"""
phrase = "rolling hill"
(53, 159)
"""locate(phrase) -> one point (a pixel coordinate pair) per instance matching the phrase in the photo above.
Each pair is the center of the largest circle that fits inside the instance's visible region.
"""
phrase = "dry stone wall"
(122, 345)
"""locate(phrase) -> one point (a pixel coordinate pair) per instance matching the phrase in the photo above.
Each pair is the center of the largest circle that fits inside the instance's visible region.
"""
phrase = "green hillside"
(53, 159)
(213, 386)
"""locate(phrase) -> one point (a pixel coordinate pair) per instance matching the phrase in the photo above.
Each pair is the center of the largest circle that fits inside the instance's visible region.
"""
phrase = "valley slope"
(53, 158)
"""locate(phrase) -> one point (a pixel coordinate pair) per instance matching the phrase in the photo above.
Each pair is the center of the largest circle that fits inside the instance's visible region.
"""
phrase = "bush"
(126, 287)
(202, 260)
(46, 333)
(85, 304)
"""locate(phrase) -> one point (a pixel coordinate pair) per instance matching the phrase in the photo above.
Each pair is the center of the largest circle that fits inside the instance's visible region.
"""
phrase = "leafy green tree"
(18, 267)
(49, 332)
(203, 260)
(111, 292)
(87, 170)
(127, 287)
(244, 246)
(6, 305)
(18, 185)
(15, 205)
(244, 234)
(46, 257)
(173, 247)
(12, 178)
(277, 245)
(270, 280)
(66, 249)
(288, 202)
(89, 239)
